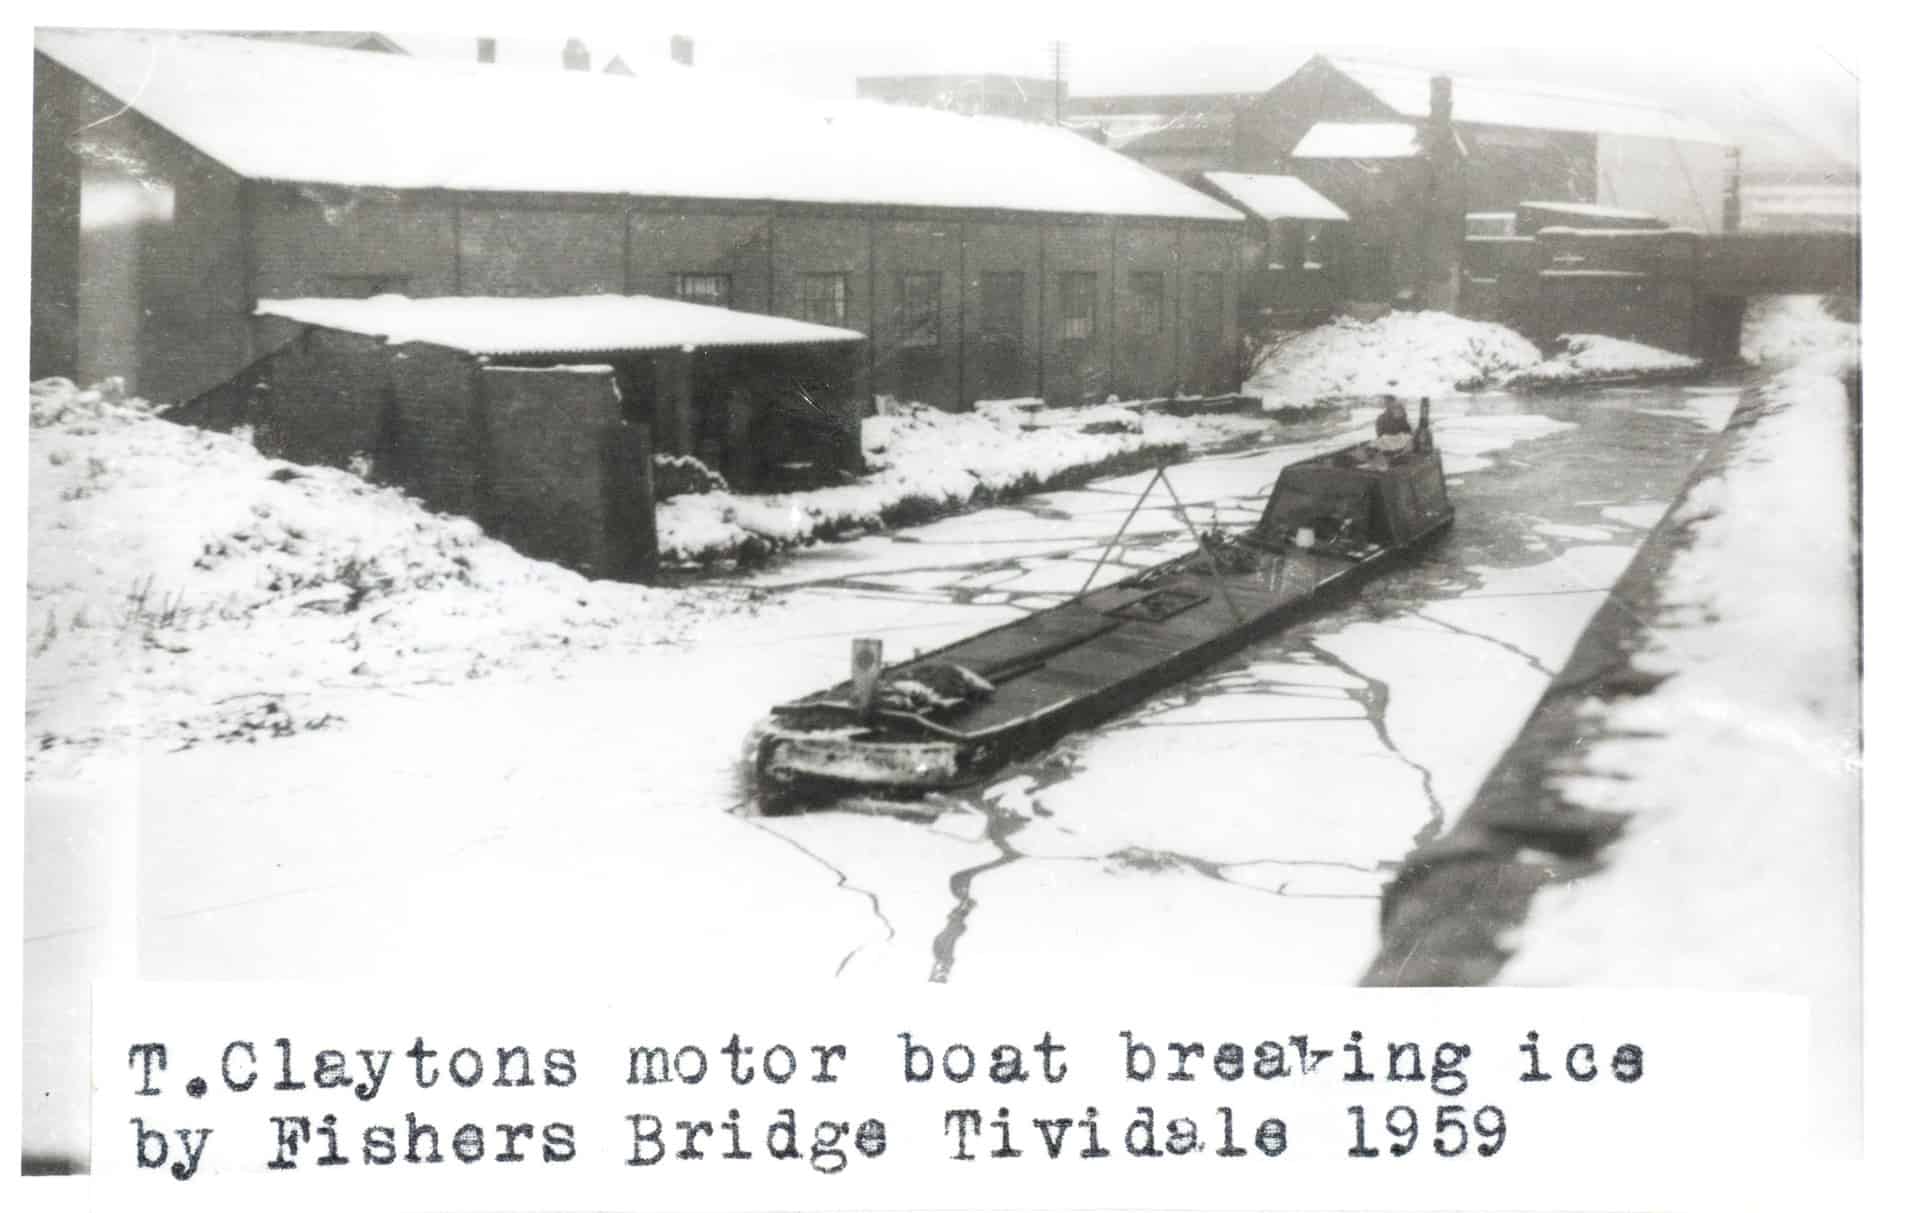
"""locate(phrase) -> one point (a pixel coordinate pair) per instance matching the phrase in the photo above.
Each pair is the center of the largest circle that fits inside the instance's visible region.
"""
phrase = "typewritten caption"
(736, 1100)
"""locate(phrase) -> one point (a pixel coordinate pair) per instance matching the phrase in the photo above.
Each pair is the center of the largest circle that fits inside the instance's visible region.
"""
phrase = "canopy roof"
(572, 324)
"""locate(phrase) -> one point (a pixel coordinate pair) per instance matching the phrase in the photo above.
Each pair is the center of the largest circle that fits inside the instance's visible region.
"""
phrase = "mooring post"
(866, 674)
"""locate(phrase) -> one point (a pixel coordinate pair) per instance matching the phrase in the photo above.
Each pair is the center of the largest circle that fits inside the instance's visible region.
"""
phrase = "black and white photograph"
(1021, 503)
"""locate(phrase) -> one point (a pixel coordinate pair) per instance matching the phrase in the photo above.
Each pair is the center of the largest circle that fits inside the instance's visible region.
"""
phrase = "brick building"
(181, 179)
(1357, 132)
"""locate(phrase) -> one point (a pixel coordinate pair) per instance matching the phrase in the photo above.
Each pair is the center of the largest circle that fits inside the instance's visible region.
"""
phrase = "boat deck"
(1116, 634)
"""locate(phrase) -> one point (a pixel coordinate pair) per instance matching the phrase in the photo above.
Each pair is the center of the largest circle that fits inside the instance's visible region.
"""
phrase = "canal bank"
(1681, 809)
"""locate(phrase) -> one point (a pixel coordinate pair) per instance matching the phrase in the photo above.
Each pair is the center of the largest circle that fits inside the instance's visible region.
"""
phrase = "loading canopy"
(566, 324)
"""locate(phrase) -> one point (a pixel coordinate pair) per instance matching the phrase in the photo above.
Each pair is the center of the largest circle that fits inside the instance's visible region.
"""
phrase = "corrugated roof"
(286, 112)
(1523, 104)
(1359, 141)
(570, 324)
(1275, 197)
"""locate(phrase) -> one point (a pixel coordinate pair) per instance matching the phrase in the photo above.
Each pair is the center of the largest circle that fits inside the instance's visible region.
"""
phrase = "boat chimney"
(866, 674)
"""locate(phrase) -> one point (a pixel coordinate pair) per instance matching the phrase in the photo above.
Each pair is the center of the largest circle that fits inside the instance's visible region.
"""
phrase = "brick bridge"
(1677, 289)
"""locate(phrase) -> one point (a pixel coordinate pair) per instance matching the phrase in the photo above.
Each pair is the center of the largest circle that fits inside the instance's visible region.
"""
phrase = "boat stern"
(788, 761)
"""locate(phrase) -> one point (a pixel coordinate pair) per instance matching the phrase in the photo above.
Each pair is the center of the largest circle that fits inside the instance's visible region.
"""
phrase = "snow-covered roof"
(1274, 197)
(556, 325)
(1359, 141)
(1588, 210)
(1525, 104)
(285, 112)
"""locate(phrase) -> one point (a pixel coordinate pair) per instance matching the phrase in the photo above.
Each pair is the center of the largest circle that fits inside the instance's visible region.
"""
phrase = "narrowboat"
(953, 716)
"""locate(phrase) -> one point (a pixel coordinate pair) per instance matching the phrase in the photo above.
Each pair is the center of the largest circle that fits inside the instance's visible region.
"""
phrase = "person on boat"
(1392, 432)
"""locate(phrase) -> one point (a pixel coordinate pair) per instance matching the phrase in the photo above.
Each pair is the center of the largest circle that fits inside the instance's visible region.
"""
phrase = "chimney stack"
(1445, 222)
(574, 57)
(680, 49)
(488, 49)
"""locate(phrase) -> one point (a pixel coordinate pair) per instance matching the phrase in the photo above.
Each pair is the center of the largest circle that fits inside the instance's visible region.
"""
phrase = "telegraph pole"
(1058, 50)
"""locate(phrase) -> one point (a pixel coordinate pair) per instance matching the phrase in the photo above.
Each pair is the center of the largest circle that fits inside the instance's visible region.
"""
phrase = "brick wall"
(1146, 361)
(508, 249)
(699, 238)
(139, 260)
(321, 399)
(554, 454)
(54, 271)
(314, 241)
(437, 436)
(1002, 363)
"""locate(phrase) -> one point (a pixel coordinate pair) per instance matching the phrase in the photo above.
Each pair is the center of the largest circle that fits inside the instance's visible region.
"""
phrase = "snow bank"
(181, 585)
(926, 462)
(1591, 358)
(1407, 354)
(1781, 330)
(1739, 869)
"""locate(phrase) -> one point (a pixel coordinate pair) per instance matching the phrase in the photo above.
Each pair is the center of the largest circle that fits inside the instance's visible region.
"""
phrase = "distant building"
(1029, 98)
(1361, 134)
(1177, 133)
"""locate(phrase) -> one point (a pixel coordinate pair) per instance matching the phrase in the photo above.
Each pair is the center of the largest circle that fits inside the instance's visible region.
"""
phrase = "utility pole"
(1730, 204)
(1058, 50)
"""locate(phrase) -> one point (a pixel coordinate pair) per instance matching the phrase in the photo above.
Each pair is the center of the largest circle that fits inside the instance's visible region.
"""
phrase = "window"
(1209, 310)
(1076, 306)
(1003, 306)
(919, 311)
(714, 290)
(1146, 302)
(823, 298)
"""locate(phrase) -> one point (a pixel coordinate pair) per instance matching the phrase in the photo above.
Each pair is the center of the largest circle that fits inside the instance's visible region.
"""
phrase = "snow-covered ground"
(1414, 354)
(561, 793)
(1740, 868)
(184, 588)
(1586, 357)
(1781, 330)
(1408, 354)
(924, 462)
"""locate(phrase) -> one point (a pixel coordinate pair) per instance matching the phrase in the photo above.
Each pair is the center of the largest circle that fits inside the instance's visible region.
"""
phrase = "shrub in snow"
(677, 474)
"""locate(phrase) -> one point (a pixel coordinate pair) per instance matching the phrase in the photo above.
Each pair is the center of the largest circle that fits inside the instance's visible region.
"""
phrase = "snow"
(1588, 210)
(566, 324)
(1275, 197)
(182, 585)
(559, 790)
(1590, 356)
(275, 111)
(925, 462)
(1786, 329)
(1359, 141)
(1526, 104)
(1407, 354)
(1741, 770)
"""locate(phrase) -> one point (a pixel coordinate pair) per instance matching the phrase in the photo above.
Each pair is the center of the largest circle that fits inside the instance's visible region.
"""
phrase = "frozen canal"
(1271, 798)
(535, 827)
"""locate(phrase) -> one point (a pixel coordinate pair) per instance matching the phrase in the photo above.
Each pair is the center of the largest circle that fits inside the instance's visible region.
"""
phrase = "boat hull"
(794, 765)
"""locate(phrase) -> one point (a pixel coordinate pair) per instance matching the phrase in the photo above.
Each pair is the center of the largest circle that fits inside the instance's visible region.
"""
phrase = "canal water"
(1263, 805)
